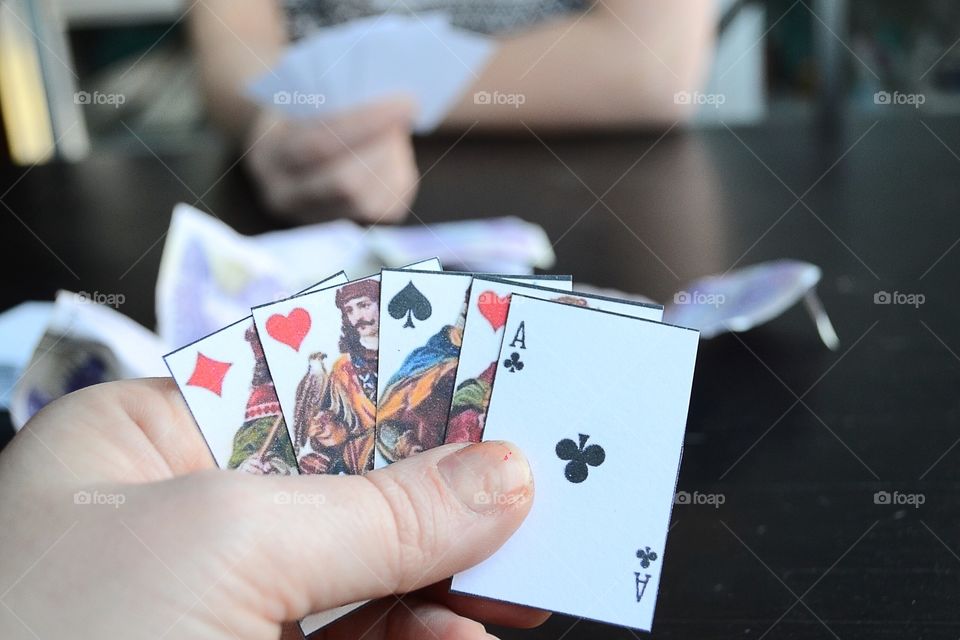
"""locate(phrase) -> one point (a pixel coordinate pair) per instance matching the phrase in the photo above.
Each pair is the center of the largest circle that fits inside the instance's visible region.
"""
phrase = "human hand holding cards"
(372, 371)
(360, 62)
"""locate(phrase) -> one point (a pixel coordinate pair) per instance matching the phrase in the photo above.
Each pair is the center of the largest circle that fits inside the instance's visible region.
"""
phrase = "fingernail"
(488, 476)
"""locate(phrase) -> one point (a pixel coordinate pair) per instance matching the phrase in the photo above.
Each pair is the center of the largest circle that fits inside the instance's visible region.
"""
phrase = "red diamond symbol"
(209, 373)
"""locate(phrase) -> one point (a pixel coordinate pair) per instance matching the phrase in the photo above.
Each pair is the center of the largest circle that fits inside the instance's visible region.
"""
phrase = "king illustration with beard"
(335, 412)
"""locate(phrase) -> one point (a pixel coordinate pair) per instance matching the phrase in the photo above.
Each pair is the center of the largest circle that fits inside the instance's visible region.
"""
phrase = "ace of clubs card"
(483, 332)
(593, 543)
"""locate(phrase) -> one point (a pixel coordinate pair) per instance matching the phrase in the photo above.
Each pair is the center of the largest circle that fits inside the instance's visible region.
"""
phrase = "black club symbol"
(579, 457)
(513, 362)
(646, 557)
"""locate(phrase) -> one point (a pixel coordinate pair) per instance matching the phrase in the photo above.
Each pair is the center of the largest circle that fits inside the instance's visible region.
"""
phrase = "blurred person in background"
(581, 65)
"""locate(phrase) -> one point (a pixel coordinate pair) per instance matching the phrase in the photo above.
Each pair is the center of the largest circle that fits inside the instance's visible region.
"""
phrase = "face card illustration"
(483, 333)
(422, 318)
(322, 351)
(225, 382)
(598, 403)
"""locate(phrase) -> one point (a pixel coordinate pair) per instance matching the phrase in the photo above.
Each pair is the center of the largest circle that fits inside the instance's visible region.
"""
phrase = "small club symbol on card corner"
(579, 457)
(646, 556)
(513, 363)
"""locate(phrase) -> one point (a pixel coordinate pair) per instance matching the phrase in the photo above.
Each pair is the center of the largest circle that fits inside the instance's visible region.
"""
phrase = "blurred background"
(775, 60)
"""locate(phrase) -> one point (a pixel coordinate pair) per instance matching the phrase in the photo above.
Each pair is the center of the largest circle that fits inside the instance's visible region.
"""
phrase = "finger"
(401, 619)
(374, 183)
(484, 610)
(133, 430)
(317, 542)
(316, 141)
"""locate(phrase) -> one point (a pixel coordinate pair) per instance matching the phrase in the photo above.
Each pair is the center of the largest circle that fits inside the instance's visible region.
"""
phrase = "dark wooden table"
(795, 440)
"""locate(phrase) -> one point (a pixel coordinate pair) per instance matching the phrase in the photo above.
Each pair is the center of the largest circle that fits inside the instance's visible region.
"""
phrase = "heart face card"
(606, 471)
(322, 351)
(422, 318)
(483, 333)
(226, 384)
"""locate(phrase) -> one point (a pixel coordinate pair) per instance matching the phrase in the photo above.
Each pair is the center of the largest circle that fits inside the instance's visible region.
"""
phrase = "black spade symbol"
(411, 303)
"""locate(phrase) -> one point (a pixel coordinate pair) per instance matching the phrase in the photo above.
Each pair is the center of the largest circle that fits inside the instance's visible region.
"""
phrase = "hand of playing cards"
(350, 376)
(357, 63)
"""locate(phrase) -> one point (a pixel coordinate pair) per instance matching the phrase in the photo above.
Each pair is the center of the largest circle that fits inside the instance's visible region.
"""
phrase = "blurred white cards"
(360, 62)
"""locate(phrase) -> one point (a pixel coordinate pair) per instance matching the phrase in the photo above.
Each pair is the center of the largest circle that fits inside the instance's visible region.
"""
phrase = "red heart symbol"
(289, 329)
(494, 308)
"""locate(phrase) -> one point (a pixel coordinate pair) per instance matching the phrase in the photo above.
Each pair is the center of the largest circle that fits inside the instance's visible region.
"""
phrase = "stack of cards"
(349, 376)
(421, 56)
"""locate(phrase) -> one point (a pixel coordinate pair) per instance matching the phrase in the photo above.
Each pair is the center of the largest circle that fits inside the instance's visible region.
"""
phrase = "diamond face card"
(322, 350)
(593, 543)
(422, 318)
(226, 384)
(483, 333)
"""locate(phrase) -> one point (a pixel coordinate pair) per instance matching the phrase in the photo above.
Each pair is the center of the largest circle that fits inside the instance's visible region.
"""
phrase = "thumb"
(325, 541)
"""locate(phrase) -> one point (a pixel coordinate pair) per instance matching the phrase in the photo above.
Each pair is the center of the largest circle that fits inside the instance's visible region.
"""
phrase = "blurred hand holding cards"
(353, 375)
(598, 404)
(360, 62)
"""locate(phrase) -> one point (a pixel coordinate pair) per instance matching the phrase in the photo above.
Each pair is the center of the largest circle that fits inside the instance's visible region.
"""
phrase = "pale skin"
(116, 525)
(618, 65)
(363, 314)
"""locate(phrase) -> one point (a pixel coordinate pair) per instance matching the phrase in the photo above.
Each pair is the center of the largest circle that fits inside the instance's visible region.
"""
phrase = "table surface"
(794, 439)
